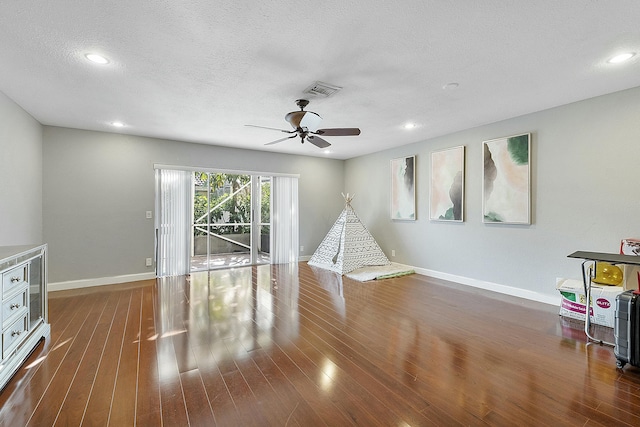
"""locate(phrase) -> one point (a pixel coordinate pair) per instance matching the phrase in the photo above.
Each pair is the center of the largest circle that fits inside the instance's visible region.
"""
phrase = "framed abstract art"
(403, 188)
(446, 195)
(506, 180)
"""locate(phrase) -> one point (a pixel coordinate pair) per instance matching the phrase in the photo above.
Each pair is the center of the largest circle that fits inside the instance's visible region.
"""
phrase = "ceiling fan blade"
(280, 140)
(264, 127)
(318, 142)
(338, 132)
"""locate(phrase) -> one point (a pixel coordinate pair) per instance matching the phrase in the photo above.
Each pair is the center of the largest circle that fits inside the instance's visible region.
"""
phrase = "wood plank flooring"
(289, 345)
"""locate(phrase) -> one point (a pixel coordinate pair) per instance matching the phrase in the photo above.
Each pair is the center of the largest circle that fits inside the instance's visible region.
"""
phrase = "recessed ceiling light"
(117, 124)
(621, 58)
(409, 125)
(451, 85)
(327, 151)
(98, 59)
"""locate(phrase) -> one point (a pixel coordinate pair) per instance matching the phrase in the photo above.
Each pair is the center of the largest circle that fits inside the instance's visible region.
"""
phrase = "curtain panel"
(284, 220)
(173, 222)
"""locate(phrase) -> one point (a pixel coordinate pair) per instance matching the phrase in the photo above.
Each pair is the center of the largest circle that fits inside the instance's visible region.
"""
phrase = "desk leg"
(587, 277)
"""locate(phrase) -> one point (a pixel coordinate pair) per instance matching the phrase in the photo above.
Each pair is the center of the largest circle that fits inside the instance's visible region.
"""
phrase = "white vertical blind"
(284, 220)
(255, 217)
(173, 221)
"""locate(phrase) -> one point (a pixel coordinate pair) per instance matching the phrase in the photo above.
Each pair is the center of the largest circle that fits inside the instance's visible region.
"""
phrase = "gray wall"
(585, 196)
(98, 186)
(20, 176)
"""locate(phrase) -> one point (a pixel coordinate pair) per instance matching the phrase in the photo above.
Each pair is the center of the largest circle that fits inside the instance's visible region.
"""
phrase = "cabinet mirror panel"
(35, 291)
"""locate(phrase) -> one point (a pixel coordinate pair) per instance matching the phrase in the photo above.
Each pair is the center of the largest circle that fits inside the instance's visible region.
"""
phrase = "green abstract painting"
(446, 196)
(507, 180)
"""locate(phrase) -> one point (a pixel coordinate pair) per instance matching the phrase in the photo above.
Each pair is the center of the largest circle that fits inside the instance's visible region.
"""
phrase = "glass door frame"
(189, 222)
(255, 220)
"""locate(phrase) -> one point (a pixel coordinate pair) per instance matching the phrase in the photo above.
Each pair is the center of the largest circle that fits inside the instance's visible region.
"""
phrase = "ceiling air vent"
(322, 89)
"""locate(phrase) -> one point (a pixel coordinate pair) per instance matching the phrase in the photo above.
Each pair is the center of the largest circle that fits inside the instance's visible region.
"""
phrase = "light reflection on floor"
(232, 311)
(239, 259)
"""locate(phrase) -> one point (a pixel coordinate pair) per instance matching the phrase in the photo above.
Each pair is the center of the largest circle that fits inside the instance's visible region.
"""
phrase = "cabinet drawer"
(13, 307)
(13, 335)
(14, 278)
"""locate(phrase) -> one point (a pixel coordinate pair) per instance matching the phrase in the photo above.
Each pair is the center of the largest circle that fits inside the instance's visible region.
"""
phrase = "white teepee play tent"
(348, 245)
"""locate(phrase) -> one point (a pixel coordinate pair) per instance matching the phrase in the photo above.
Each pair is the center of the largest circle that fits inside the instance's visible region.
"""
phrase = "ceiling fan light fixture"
(294, 118)
(304, 119)
(310, 121)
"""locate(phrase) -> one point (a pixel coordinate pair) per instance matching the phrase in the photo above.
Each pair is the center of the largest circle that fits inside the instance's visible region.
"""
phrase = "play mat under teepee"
(349, 246)
(379, 272)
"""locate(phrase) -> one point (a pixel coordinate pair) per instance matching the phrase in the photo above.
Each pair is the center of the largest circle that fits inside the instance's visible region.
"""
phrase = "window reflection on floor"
(332, 283)
(215, 261)
(230, 311)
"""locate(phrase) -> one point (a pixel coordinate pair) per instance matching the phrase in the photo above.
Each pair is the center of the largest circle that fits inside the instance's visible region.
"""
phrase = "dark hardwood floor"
(289, 345)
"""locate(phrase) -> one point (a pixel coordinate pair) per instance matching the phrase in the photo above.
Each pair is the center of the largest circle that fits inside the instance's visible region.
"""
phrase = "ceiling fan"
(305, 125)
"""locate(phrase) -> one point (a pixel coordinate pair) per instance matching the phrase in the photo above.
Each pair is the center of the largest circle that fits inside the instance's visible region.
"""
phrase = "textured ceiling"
(200, 70)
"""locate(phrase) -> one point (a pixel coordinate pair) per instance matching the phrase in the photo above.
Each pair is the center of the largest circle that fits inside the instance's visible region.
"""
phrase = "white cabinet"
(24, 305)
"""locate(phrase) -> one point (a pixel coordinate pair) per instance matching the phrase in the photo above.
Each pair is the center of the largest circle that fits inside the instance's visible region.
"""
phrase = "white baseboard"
(86, 283)
(304, 258)
(495, 287)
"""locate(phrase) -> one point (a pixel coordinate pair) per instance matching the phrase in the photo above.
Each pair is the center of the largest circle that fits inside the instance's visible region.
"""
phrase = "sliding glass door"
(231, 220)
(214, 219)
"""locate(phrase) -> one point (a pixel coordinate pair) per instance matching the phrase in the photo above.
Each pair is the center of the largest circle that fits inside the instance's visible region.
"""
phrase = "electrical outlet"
(301, 248)
(149, 215)
(393, 252)
(149, 262)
